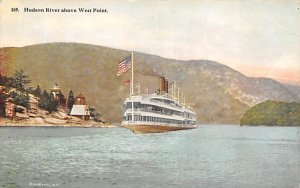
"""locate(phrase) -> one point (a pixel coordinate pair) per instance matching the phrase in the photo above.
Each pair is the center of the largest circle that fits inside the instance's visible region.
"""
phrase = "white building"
(80, 109)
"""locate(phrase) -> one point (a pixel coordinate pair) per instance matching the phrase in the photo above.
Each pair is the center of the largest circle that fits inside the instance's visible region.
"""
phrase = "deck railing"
(155, 123)
(153, 111)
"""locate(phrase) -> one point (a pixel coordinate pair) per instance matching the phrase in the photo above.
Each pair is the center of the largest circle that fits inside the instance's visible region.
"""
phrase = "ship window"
(136, 104)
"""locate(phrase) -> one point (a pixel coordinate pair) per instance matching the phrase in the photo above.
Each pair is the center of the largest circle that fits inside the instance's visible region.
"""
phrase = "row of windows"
(155, 109)
(164, 101)
(157, 119)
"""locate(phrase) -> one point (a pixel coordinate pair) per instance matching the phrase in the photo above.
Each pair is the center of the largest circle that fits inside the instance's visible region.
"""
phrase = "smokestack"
(162, 84)
(166, 86)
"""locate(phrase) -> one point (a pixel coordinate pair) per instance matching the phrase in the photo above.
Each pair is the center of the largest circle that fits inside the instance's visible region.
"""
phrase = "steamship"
(158, 112)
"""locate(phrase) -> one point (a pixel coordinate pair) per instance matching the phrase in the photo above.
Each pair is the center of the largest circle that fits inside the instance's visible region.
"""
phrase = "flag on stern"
(124, 66)
(126, 82)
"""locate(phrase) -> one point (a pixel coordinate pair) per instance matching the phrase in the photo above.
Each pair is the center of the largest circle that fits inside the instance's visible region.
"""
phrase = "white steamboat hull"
(143, 128)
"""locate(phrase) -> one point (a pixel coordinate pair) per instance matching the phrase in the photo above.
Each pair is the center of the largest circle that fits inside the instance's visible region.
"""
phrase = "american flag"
(126, 82)
(124, 66)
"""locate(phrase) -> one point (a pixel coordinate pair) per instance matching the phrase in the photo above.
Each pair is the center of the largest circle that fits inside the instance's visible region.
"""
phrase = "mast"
(178, 96)
(139, 88)
(132, 87)
(174, 91)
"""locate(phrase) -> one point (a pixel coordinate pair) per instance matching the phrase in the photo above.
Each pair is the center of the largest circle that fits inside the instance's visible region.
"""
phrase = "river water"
(210, 156)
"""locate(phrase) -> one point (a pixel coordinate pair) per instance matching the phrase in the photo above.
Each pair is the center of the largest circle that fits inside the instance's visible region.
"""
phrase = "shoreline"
(56, 126)
(88, 124)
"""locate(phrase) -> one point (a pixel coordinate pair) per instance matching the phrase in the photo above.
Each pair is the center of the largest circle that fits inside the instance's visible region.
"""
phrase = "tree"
(71, 100)
(94, 114)
(21, 99)
(3, 98)
(45, 94)
(20, 80)
(48, 102)
(53, 103)
(62, 100)
(37, 91)
(4, 80)
(44, 100)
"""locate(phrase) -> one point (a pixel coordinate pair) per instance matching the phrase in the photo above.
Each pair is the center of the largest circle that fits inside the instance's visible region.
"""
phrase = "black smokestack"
(162, 84)
(166, 86)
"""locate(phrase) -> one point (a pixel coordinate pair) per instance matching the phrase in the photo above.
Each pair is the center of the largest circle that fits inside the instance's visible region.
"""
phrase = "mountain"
(295, 89)
(218, 93)
(273, 113)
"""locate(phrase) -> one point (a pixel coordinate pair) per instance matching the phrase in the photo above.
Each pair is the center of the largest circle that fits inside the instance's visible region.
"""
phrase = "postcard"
(136, 93)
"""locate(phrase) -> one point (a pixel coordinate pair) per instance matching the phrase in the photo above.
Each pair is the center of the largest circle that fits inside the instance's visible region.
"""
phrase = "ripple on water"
(210, 156)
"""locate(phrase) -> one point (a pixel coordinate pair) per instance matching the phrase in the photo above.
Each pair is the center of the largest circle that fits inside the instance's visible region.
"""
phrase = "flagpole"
(132, 116)
(130, 88)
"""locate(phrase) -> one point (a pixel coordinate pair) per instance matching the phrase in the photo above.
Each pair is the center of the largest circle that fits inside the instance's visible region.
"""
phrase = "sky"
(257, 38)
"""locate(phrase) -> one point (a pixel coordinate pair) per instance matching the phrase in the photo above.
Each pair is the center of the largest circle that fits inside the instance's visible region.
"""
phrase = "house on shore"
(80, 109)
